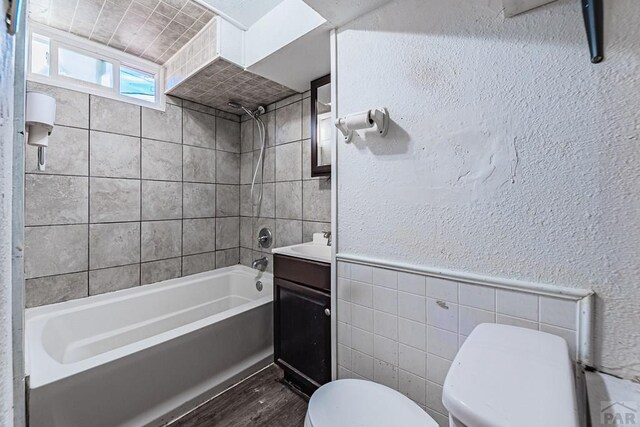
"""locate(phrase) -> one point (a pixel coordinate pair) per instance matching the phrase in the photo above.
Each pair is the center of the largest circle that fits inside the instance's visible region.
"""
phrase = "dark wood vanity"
(302, 321)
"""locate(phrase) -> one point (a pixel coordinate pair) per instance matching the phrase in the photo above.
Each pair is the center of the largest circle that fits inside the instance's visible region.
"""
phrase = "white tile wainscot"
(402, 325)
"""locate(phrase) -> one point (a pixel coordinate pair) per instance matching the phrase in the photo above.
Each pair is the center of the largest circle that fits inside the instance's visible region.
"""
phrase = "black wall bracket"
(592, 12)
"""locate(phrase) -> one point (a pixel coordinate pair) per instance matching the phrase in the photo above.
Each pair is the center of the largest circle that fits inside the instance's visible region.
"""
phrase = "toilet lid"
(354, 403)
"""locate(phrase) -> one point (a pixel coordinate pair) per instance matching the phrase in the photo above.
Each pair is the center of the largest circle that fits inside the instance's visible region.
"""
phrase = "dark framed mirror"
(321, 126)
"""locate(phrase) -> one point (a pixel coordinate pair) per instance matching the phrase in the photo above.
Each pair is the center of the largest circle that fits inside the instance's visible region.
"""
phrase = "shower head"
(254, 114)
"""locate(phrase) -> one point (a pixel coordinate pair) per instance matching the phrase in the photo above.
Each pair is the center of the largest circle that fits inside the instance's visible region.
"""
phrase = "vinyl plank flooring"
(261, 400)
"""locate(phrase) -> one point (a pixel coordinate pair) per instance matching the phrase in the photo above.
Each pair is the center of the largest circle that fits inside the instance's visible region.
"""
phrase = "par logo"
(619, 413)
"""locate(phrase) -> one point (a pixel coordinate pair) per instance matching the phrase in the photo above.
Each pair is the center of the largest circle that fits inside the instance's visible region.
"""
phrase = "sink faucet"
(327, 235)
(260, 263)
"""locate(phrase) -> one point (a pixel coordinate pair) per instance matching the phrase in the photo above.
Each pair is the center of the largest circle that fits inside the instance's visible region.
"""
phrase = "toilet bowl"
(502, 376)
(360, 403)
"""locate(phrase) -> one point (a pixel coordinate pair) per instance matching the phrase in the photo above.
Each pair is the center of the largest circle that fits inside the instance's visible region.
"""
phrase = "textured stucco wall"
(6, 150)
(509, 154)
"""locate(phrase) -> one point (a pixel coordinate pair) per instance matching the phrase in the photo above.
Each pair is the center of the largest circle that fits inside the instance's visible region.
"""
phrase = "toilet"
(360, 403)
(501, 377)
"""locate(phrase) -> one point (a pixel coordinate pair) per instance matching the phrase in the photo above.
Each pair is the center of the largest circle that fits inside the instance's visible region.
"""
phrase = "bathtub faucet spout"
(260, 263)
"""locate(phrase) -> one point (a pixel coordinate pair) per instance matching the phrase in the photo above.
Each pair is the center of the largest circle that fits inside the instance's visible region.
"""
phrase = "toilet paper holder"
(378, 117)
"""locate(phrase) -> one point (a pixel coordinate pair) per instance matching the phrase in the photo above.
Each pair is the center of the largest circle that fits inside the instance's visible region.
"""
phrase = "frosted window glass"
(83, 67)
(40, 55)
(137, 84)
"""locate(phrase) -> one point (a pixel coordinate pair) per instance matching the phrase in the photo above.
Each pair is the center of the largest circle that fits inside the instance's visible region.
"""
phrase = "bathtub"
(145, 355)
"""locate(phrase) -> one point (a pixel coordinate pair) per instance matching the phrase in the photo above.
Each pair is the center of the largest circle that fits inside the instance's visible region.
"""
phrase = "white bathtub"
(144, 355)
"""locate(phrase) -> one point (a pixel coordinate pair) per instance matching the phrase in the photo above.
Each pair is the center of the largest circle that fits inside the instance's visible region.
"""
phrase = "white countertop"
(317, 250)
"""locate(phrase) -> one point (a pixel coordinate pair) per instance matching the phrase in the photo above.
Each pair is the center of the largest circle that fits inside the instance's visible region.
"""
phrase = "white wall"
(509, 154)
(6, 150)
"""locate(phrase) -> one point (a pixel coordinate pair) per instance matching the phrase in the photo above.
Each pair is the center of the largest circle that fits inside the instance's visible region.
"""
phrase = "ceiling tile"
(136, 27)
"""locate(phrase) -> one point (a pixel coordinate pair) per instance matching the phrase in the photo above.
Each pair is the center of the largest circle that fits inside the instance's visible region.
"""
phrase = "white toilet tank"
(505, 376)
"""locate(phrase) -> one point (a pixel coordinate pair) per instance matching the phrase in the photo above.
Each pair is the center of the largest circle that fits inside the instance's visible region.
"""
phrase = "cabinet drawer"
(314, 274)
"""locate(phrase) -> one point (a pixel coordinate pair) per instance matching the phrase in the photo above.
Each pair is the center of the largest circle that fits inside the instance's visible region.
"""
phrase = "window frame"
(95, 50)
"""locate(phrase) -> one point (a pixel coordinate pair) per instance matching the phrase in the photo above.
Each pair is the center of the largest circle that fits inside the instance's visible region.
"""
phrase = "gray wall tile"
(246, 256)
(114, 116)
(199, 129)
(246, 232)
(115, 156)
(227, 168)
(157, 271)
(227, 135)
(199, 164)
(289, 200)
(246, 136)
(246, 168)
(289, 232)
(288, 100)
(199, 200)
(55, 250)
(245, 200)
(55, 199)
(267, 208)
(227, 257)
(227, 232)
(306, 118)
(114, 244)
(227, 200)
(269, 121)
(161, 200)
(306, 160)
(317, 200)
(53, 289)
(114, 279)
(309, 227)
(72, 108)
(114, 200)
(198, 235)
(161, 239)
(67, 153)
(161, 160)
(181, 232)
(193, 264)
(269, 164)
(286, 165)
(289, 123)
(289, 162)
(162, 125)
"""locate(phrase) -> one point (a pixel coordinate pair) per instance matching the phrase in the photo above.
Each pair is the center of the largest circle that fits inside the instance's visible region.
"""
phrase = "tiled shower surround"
(404, 329)
(294, 205)
(130, 196)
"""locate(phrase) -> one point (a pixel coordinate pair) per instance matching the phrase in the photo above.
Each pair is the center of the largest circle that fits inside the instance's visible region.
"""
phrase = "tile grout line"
(182, 191)
(140, 180)
(88, 195)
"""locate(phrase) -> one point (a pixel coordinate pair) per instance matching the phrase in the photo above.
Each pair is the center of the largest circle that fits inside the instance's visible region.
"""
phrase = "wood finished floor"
(261, 400)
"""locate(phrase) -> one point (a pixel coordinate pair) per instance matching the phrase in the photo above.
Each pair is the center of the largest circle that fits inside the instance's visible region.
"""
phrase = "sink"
(315, 251)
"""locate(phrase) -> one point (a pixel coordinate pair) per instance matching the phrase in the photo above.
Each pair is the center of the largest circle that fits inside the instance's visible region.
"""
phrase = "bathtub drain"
(259, 286)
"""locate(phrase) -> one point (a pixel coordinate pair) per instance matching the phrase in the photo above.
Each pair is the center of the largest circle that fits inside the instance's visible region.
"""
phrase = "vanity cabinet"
(302, 321)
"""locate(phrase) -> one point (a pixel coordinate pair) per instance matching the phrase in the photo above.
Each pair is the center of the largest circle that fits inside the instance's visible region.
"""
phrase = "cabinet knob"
(327, 312)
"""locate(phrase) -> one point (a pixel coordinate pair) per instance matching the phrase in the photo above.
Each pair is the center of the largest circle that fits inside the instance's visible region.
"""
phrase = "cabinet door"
(302, 333)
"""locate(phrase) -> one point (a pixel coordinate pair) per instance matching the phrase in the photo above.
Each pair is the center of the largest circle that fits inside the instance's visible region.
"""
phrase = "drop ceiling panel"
(150, 29)
(243, 13)
(221, 81)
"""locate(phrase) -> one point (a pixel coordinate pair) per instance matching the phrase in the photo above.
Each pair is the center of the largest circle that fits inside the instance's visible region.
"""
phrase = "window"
(84, 67)
(40, 54)
(61, 59)
(137, 84)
